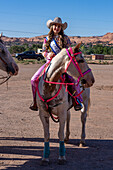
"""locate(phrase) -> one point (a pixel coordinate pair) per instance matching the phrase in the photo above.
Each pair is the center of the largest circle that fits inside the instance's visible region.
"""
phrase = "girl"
(53, 43)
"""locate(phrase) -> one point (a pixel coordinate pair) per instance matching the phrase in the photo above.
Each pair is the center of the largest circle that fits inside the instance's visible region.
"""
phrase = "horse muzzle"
(12, 69)
(86, 83)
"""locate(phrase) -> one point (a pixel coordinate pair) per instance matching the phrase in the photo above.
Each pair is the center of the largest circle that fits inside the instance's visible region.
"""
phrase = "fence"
(98, 57)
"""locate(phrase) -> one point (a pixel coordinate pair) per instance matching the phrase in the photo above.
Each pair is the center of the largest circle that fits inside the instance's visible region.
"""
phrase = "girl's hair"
(50, 37)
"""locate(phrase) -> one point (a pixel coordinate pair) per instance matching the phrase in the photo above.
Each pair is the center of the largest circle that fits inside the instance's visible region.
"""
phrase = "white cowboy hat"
(57, 20)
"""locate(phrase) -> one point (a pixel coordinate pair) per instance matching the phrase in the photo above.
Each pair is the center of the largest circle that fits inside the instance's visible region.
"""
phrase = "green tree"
(16, 49)
(24, 47)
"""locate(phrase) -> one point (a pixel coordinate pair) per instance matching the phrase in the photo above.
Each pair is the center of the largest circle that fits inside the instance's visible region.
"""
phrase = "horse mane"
(1, 41)
(56, 74)
(56, 69)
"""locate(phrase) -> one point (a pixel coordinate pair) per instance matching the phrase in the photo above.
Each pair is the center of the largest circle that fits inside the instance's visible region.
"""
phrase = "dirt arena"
(21, 132)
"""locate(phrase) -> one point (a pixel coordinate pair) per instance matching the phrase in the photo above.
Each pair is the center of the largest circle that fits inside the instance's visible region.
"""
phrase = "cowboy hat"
(57, 20)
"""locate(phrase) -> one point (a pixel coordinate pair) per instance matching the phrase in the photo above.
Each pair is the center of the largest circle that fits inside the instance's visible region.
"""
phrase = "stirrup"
(78, 106)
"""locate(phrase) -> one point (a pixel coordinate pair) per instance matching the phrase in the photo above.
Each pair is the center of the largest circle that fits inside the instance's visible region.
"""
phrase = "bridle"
(75, 62)
(5, 79)
(72, 57)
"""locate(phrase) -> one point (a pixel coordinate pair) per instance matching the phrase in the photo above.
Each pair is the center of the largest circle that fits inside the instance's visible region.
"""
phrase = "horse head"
(7, 63)
(78, 67)
(71, 60)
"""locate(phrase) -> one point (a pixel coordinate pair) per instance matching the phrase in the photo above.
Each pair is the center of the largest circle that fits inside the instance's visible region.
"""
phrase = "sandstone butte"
(104, 39)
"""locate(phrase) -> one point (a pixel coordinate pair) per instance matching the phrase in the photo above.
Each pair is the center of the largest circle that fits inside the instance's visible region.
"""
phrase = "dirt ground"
(21, 132)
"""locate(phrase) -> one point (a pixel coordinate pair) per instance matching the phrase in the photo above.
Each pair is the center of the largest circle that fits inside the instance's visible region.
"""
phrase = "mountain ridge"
(106, 39)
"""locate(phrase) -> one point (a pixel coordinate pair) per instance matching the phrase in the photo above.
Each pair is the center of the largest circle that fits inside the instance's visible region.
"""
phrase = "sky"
(28, 18)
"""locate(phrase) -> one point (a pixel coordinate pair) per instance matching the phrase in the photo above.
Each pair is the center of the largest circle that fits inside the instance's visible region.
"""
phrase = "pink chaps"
(37, 74)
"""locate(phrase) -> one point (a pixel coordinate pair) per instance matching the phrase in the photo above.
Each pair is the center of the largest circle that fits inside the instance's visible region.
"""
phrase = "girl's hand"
(50, 55)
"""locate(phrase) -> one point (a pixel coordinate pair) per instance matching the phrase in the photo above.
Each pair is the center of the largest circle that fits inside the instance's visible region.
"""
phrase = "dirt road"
(21, 133)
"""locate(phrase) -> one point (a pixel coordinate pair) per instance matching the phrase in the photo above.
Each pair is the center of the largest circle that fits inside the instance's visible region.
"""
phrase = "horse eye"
(3, 51)
(80, 61)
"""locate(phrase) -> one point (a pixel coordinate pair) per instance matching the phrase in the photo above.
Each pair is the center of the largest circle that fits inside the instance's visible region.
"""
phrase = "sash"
(54, 46)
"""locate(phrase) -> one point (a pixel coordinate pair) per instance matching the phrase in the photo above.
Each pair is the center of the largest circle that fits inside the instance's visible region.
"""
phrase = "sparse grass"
(29, 61)
(34, 61)
(100, 62)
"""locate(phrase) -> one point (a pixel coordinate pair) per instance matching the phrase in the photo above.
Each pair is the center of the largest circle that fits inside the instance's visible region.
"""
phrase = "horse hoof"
(66, 140)
(44, 163)
(61, 161)
(81, 145)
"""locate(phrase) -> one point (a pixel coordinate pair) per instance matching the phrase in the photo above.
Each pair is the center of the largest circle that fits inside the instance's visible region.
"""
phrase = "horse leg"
(46, 152)
(83, 120)
(61, 158)
(67, 127)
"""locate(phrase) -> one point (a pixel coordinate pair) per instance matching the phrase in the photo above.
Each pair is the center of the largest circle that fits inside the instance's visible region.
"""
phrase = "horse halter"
(74, 61)
(0, 56)
(5, 78)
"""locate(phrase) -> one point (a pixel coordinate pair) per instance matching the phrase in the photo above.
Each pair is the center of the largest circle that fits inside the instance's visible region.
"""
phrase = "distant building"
(39, 50)
(98, 57)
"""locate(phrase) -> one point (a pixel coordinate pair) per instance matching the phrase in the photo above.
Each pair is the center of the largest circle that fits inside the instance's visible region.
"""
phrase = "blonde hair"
(50, 37)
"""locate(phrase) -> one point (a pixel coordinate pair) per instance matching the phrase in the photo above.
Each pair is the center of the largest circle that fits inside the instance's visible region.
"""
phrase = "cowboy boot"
(34, 106)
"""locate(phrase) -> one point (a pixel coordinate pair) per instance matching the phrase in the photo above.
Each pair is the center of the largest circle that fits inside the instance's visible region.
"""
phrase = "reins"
(74, 61)
(48, 100)
(6, 79)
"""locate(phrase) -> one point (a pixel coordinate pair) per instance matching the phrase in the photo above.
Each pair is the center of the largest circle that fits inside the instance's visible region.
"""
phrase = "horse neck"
(57, 67)
(54, 72)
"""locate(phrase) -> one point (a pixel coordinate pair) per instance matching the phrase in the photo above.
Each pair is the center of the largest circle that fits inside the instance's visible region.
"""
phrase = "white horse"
(59, 105)
(7, 63)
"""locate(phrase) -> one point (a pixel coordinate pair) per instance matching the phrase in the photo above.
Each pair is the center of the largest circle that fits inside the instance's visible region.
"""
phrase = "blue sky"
(27, 18)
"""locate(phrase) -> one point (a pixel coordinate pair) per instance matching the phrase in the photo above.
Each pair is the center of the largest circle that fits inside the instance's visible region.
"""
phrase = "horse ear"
(1, 35)
(76, 48)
